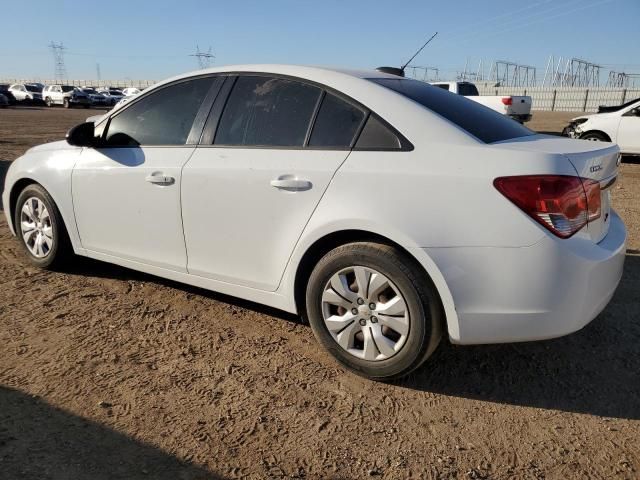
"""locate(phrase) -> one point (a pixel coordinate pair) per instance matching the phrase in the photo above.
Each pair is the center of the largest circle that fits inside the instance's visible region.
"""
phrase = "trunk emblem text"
(595, 168)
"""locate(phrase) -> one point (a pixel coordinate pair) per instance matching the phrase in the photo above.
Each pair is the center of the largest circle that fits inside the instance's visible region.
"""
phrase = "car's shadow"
(38, 440)
(594, 371)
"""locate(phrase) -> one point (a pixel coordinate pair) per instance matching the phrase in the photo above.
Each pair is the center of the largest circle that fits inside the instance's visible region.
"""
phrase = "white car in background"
(383, 209)
(619, 124)
(129, 91)
(66, 95)
(26, 92)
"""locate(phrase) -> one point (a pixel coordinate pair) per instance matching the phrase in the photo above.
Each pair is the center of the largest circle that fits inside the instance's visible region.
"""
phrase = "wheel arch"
(16, 189)
(599, 132)
(316, 250)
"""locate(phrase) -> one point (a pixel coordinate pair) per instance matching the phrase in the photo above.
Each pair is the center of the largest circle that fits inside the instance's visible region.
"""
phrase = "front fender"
(50, 167)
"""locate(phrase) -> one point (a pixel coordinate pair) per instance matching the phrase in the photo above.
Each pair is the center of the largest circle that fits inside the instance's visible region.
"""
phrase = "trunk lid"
(597, 161)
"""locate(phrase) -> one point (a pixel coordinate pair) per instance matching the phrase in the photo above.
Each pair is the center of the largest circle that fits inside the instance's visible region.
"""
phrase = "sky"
(154, 39)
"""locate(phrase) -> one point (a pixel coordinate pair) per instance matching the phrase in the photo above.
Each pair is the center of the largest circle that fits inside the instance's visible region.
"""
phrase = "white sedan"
(619, 124)
(384, 210)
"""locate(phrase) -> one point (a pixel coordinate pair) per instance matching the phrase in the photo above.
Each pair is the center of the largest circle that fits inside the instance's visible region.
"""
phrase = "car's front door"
(126, 194)
(249, 192)
(629, 131)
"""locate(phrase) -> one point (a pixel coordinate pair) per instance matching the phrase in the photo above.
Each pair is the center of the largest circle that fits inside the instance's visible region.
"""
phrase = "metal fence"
(82, 83)
(567, 99)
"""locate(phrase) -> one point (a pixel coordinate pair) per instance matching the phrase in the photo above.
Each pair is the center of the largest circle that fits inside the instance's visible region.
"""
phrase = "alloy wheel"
(36, 228)
(365, 313)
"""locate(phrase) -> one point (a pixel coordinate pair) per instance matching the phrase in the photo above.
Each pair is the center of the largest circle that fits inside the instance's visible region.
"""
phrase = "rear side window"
(377, 136)
(336, 124)
(443, 86)
(267, 111)
(164, 117)
(481, 122)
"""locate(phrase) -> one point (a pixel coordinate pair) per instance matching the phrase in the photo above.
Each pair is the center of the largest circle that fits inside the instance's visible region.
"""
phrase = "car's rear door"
(126, 194)
(269, 151)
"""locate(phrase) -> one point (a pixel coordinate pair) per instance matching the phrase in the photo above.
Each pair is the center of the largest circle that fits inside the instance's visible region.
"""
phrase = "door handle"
(159, 178)
(290, 183)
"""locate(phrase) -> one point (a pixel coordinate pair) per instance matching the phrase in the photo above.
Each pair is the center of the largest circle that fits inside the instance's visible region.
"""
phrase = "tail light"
(562, 204)
(507, 100)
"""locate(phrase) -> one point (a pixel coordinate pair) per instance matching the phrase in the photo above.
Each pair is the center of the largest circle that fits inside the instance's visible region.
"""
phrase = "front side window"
(483, 123)
(164, 117)
(336, 124)
(267, 111)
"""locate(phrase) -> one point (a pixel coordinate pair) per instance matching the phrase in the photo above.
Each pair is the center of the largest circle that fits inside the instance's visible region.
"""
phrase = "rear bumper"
(546, 290)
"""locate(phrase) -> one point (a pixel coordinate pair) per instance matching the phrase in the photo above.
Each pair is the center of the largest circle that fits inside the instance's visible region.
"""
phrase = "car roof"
(317, 73)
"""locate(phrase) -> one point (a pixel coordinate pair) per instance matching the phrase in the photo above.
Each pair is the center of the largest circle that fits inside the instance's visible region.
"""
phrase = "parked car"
(4, 101)
(517, 107)
(113, 95)
(66, 95)
(618, 124)
(97, 99)
(26, 93)
(385, 210)
(127, 92)
(4, 90)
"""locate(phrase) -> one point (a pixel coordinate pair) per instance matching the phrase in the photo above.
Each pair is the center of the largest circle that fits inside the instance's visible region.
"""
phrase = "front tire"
(40, 228)
(47, 102)
(66, 103)
(374, 309)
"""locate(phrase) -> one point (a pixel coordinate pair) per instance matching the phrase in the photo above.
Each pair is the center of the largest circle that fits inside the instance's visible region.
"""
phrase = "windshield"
(33, 88)
(481, 122)
(615, 108)
(68, 88)
(89, 90)
(115, 92)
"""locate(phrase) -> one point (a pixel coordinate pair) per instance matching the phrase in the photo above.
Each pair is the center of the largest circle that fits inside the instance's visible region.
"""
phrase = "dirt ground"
(106, 373)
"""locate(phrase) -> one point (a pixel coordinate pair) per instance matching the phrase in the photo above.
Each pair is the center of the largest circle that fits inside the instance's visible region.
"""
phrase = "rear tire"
(38, 220)
(595, 137)
(47, 102)
(353, 325)
(66, 103)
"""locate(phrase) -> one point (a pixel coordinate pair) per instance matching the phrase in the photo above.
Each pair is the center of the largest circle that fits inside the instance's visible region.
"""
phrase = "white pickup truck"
(516, 107)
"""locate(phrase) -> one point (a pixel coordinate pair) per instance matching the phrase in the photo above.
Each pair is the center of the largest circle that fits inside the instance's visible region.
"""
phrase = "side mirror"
(82, 135)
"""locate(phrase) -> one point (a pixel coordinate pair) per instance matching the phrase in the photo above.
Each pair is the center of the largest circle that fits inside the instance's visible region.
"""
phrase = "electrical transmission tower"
(623, 79)
(511, 74)
(426, 74)
(60, 70)
(205, 59)
(571, 72)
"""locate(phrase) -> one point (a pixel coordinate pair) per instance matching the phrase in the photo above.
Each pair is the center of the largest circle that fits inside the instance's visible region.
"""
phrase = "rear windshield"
(68, 88)
(467, 89)
(478, 120)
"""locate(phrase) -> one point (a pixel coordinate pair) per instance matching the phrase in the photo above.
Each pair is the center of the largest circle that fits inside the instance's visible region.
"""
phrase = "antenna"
(205, 59)
(60, 70)
(419, 50)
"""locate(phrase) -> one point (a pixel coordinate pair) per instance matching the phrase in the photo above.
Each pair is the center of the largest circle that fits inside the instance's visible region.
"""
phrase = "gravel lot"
(106, 373)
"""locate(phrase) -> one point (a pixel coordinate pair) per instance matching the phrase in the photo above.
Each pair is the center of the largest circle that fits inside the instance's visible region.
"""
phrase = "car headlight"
(579, 121)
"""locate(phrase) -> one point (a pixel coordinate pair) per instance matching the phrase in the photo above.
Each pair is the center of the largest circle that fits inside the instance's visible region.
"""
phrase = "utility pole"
(205, 59)
(60, 70)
